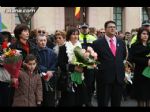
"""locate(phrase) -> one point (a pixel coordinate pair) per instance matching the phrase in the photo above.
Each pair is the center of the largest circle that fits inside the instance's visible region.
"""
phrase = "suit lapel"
(117, 46)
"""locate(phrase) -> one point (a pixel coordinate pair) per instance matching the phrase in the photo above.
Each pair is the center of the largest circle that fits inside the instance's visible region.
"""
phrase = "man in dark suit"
(110, 76)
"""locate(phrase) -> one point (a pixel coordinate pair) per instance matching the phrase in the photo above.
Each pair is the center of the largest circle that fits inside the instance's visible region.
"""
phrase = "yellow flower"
(7, 53)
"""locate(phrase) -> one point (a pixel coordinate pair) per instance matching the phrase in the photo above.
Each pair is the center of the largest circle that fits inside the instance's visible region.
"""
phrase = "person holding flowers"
(139, 55)
(21, 33)
(29, 91)
(72, 93)
(5, 82)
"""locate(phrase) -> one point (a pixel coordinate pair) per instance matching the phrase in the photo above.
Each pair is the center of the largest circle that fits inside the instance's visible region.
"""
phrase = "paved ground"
(127, 103)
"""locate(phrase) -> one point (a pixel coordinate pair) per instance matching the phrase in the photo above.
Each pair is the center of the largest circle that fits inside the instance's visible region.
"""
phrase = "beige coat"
(29, 90)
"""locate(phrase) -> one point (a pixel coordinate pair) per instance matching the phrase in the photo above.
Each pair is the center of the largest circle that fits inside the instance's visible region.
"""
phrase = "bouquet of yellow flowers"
(12, 61)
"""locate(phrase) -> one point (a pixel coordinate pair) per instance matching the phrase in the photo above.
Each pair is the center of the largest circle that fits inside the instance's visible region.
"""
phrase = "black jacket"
(138, 56)
(19, 46)
(64, 67)
(111, 68)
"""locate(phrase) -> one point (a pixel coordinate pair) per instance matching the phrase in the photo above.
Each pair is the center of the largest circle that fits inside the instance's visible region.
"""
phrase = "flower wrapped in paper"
(83, 58)
(146, 71)
(12, 61)
(128, 72)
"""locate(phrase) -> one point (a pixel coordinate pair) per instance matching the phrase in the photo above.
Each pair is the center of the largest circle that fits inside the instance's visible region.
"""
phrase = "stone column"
(97, 16)
(52, 18)
(133, 18)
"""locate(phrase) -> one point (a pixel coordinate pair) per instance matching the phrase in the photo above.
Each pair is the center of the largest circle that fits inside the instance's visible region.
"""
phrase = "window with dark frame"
(117, 17)
(144, 14)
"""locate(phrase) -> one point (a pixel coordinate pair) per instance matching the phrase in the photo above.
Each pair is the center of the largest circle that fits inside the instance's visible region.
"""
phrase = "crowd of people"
(122, 56)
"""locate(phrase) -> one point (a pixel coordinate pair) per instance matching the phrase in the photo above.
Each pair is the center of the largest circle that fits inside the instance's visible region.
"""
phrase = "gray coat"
(29, 90)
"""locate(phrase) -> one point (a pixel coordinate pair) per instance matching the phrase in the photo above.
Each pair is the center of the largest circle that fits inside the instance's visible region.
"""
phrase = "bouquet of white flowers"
(83, 58)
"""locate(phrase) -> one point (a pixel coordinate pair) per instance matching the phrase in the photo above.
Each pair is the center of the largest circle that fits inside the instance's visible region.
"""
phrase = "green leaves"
(80, 60)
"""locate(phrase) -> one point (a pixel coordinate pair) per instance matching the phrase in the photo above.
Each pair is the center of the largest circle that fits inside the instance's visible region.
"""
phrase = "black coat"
(68, 97)
(141, 88)
(64, 67)
(111, 68)
(19, 46)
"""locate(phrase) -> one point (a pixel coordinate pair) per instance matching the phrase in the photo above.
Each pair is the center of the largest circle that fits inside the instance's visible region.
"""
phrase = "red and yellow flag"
(77, 12)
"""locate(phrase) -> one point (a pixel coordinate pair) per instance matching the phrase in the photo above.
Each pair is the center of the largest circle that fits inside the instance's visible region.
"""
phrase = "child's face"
(31, 65)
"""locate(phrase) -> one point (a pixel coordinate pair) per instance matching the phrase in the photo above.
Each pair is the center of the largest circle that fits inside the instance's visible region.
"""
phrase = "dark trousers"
(48, 95)
(4, 94)
(67, 99)
(48, 98)
(111, 91)
(77, 98)
(89, 75)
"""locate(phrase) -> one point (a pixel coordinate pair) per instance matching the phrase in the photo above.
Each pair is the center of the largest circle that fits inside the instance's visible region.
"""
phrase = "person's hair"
(33, 33)
(40, 36)
(60, 33)
(107, 22)
(92, 30)
(139, 40)
(127, 33)
(19, 28)
(30, 57)
(7, 35)
(70, 32)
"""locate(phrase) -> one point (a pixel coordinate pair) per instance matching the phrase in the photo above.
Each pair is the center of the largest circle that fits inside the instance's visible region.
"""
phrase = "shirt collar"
(108, 38)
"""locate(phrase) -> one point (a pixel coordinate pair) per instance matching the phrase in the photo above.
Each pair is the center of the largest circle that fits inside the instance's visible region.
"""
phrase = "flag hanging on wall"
(77, 13)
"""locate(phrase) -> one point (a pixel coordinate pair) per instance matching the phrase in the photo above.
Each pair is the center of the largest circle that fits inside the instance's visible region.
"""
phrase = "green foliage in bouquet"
(146, 72)
(76, 77)
(13, 59)
(80, 60)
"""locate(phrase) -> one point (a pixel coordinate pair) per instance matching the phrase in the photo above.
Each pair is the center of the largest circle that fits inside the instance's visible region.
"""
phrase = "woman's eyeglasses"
(41, 32)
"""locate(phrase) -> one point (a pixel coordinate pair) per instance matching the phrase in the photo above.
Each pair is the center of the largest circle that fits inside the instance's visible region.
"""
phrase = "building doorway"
(70, 19)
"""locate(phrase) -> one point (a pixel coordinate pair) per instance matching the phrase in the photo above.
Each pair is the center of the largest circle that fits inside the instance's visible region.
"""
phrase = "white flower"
(90, 49)
(70, 49)
(128, 77)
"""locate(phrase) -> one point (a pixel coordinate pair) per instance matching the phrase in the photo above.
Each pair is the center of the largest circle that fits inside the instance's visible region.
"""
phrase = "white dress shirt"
(108, 40)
